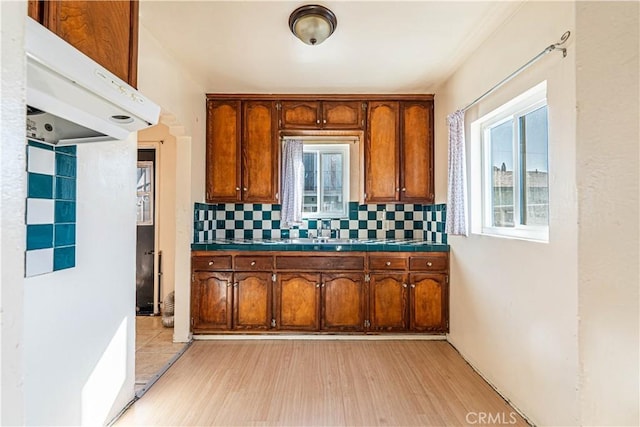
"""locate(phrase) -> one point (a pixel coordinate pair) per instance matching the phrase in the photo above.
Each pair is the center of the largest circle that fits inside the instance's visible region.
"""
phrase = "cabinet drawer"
(211, 263)
(432, 262)
(327, 263)
(387, 263)
(253, 263)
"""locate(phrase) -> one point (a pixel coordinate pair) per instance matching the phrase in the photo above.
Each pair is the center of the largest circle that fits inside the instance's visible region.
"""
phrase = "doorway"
(145, 233)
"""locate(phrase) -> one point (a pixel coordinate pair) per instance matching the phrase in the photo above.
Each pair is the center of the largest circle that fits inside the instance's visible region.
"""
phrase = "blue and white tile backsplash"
(258, 221)
(51, 208)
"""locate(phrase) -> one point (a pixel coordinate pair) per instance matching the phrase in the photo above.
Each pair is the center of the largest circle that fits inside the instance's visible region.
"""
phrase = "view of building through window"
(325, 180)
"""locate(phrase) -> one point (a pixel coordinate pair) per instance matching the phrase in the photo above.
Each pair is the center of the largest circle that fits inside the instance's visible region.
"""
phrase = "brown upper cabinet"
(105, 31)
(399, 152)
(321, 114)
(242, 151)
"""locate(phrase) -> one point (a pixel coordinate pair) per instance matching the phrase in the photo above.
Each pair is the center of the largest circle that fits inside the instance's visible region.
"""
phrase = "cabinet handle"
(235, 285)
(429, 263)
(413, 286)
(322, 285)
(317, 285)
(397, 189)
(324, 121)
(404, 285)
(404, 189)
(253, 263)
(229, 284)
(210, 262)
(237, 188)
(388, 263)
(318, 121)
(244, 188)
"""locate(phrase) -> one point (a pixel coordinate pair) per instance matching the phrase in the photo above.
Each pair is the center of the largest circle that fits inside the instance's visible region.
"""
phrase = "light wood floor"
(320, 383)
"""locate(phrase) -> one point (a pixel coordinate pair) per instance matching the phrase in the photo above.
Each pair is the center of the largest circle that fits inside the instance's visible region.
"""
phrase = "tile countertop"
(330, 245)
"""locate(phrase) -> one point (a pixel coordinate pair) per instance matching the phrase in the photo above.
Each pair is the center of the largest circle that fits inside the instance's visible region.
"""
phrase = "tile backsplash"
(262, 221)
(51, 208)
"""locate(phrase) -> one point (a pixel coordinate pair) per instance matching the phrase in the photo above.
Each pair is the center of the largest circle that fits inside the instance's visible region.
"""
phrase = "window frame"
(512, 111)
(342, 148)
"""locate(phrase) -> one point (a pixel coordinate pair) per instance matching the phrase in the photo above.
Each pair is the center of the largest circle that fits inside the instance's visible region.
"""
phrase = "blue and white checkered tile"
(50, 216)
(248, 221)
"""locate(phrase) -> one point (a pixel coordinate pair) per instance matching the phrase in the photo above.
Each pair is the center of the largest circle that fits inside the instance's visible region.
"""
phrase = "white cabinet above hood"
(73, 99)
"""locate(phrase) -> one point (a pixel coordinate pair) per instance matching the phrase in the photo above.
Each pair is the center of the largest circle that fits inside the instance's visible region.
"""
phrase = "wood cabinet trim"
(322, 97)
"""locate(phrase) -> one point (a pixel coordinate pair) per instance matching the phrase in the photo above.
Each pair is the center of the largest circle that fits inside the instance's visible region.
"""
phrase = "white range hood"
(72, 99)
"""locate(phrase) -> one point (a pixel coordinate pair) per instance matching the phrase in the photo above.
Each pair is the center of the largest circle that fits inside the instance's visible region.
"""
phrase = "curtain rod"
(548, 49)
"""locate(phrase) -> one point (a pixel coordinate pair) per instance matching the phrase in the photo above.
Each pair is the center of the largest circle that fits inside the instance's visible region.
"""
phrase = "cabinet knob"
(404, 189)
(388, 263)
(210, 262)
(397, 189)
(317, 285)
(244, 188)
(253, 263)
(413, 286)
(404, 285)
(324, 121)
(318, 121)
(237, 188)
(429, 263)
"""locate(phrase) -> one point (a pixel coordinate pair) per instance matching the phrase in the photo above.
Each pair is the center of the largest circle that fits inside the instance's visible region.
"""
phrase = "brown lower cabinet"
(345, 293)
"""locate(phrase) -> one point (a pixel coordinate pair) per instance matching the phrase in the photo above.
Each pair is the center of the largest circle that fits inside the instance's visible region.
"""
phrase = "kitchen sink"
(319, 241)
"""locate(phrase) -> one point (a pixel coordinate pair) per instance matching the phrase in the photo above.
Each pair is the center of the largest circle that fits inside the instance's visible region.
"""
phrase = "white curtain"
(292, 182)
(457, 197)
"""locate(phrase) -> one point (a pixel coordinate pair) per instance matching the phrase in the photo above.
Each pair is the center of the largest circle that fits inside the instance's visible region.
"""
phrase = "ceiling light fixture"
(312, 23)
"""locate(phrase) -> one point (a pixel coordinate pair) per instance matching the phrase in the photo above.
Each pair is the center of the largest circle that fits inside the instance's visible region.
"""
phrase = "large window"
(515, 168)
(326, 180)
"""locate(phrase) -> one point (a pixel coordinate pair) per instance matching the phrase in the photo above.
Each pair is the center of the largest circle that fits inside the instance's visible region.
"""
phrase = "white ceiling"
(378, 46)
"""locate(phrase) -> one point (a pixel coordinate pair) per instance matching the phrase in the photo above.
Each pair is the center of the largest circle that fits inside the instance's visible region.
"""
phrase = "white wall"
(607, 50)
(79, 327)
(163, 80)
(12, 205)
(513, 303)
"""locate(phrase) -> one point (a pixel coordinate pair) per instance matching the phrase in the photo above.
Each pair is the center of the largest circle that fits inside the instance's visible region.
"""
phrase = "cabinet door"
(105, 31)
(223, 151)
(342, 115)
(297, 301)
(252, 301)
(428, 302)
(343, 302)
(211, 301)
(259, 152)
(300, 115)
(388, 306)
(416, 184)
(381, 154)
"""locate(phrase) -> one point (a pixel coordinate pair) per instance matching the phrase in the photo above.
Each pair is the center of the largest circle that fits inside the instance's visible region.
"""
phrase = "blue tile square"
(303, 233)
(284, 234)
(198, 226)
(275, 224)
(238, 207)
(344, 224)
(248, 234)
(440, 227)
(220, 224)
(362, 207)
(257, 207)
(266, 215)
(228, 234)
(353, 214)
(228, 215)
(64, 258)
(68, 149)
(257, 225)
(248, 214)
(362, 225)
(399, 208)
(65, 188)
(276, 208)
(353, 234)
(408, 216)
(64, 234)
(313, 224)
(65, 211)
(38, 144)
(399, 225)
(371, 215)
(408, 234)
(417, 225)
(266, 234)
(65, 165)
(371, 234)
(238, 225)
(39, 236)
(40, 186)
